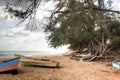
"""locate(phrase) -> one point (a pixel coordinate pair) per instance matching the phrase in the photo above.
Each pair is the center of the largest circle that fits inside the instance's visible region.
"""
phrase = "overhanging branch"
(98, 9)
(107, 10)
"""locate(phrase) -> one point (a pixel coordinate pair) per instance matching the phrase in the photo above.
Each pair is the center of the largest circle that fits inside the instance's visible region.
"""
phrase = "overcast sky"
(19, 39)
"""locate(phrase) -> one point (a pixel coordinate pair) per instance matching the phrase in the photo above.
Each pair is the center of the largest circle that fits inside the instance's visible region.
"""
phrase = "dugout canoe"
(40, 63)
(9, 65)
(116, 64)
(29, 61)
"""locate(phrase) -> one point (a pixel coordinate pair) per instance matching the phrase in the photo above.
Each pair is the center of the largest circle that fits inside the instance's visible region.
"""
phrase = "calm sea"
(25, 53)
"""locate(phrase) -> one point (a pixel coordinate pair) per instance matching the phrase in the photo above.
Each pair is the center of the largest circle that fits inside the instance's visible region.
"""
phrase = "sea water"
(25, 53)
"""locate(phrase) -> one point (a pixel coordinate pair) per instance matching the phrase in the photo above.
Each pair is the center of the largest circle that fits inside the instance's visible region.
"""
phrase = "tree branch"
(107, 10)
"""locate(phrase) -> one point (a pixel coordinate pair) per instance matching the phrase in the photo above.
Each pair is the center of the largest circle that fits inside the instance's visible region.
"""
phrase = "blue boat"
(116, 64)
(9, 65)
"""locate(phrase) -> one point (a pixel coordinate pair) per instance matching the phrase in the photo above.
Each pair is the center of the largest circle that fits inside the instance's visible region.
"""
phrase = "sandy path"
(69, 70)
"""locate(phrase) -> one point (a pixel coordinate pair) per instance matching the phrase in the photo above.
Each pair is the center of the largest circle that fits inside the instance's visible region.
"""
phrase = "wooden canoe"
(29, 61)
(40, 63)
(9, 65)
(116, 64)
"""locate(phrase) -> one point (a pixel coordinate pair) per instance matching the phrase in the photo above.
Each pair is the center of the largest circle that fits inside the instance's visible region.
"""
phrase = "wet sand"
(68, 70)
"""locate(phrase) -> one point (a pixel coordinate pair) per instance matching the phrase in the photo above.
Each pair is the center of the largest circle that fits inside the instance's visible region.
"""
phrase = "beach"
(67, 70)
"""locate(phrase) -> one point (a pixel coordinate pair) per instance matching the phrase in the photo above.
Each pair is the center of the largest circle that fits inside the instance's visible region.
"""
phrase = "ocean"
(25, 53)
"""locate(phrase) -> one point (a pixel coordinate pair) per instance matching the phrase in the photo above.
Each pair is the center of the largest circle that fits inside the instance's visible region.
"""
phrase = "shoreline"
(68, 70)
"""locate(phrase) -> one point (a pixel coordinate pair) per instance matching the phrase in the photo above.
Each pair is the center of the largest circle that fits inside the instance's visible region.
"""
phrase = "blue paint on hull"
(10, 62)
(116, 64)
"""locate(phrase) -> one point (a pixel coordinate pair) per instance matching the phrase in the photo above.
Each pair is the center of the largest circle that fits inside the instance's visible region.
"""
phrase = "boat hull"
(39, 63)
(9, 65)
(29, 61)
(116, 64)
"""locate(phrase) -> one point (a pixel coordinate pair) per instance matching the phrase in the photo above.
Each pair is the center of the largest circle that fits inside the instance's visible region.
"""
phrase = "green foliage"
(115, 42)
(77, 27)
(114, 28)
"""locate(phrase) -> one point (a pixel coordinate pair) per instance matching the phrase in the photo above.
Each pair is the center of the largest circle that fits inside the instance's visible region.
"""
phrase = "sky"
(17, 38)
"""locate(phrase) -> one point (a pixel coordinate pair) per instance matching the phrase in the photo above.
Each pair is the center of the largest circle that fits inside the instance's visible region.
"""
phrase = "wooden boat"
(28, 61)
(116, 64)
(9, 65)
(93, 57)
(40, 63)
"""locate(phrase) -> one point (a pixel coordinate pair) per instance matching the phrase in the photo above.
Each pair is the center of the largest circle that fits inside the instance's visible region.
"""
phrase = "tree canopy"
(91, 24)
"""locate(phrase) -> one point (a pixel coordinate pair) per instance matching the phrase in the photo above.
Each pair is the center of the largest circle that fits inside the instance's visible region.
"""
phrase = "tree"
(79, 23)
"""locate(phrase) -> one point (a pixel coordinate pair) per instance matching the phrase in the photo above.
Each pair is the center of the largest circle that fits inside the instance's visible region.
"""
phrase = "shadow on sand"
(13, 72)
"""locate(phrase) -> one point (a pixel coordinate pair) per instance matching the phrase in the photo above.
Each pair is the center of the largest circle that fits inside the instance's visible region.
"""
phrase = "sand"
(68, 70)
